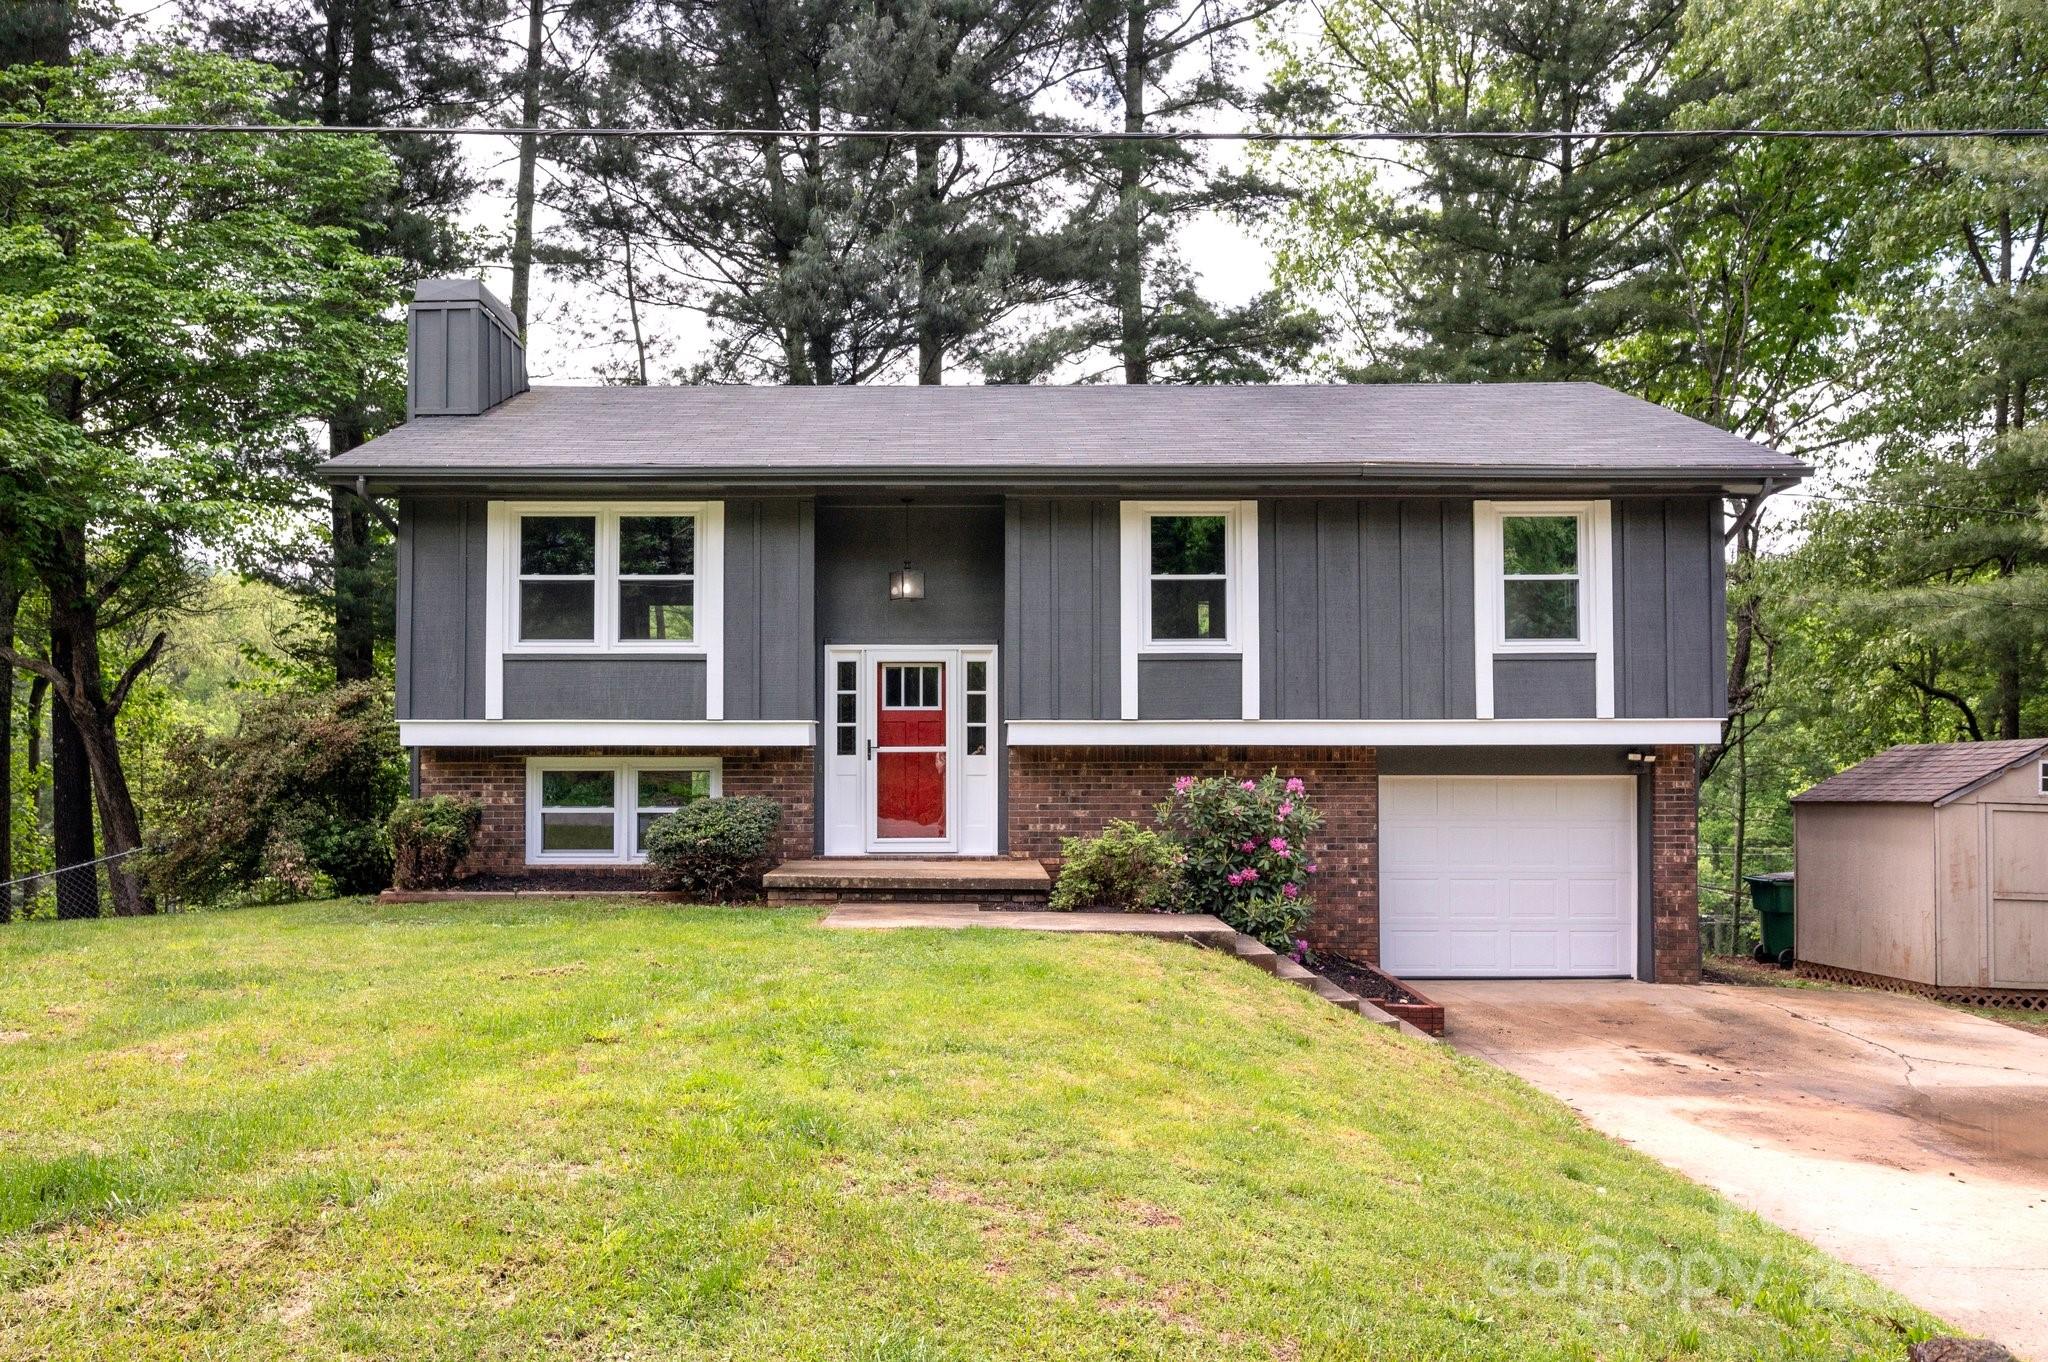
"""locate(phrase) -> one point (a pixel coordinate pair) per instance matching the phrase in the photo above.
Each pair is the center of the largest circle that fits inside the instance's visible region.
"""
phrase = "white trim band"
(1362, 732)
(606, 733)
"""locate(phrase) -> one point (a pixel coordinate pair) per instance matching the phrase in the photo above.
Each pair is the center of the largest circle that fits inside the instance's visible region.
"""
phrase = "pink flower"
(1183, 784)
(1249, 874)
(1278, 844)
(1247, 785)
(1310, 867)
(1294, 785)
(1286, 810)
(1291, 889)
(1247, 847)
(1235, 879)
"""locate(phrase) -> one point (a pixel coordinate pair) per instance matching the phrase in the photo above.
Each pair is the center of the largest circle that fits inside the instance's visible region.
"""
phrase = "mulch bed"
(1383, 990)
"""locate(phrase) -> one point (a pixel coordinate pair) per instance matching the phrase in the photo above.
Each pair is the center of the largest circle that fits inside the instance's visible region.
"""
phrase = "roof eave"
(1740, 480)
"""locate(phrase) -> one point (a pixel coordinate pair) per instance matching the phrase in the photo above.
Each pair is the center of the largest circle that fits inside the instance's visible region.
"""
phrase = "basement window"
(596, 810)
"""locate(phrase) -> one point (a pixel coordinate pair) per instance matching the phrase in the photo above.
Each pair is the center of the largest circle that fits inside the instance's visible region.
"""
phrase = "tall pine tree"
(385, 63)
(1490, 260)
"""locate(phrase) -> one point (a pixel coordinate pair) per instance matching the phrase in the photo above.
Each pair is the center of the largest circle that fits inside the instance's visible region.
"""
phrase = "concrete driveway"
(1905, 1138)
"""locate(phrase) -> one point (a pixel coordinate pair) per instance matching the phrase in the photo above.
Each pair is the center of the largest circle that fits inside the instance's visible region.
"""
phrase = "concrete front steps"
(990, 882)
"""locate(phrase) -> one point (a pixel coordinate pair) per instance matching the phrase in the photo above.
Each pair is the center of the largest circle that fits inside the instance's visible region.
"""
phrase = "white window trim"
(1241, 595)
(501, 614)
(625, 802)
(1596, 596)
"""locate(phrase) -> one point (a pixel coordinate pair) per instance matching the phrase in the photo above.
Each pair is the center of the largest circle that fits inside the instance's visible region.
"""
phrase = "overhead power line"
(1044, 134)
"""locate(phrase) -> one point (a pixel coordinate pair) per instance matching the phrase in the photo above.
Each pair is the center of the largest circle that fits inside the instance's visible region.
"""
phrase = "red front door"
(910, 750)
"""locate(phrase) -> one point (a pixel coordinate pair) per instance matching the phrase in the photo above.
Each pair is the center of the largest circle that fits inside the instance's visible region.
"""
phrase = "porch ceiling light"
(908, 583)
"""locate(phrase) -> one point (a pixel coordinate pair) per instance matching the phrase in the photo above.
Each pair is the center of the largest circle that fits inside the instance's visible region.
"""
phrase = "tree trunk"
(355, 584)
(931, 345)
(10, 603)
(529, 157)
(1130, 244)
(81, 695)
(78, 891)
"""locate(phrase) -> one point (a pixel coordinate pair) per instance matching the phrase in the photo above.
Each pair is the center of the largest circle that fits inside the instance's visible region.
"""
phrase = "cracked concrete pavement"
(1905, 1138)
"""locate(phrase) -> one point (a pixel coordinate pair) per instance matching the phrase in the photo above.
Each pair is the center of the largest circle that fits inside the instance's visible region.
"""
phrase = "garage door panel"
(1593, 846)
(1598, 953)
(1592, 900)
(1507, 875)
(1527, 898)
(1410, 844)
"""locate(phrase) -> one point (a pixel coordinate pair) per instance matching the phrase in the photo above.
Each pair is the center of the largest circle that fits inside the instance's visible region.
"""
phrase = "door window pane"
(910, 794)
(1189, 608)
(1542, 608)
(657, 610)
(657, 545)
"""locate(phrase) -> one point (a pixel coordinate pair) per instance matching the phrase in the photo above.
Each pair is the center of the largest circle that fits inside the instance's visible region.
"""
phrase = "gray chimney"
(463, 355)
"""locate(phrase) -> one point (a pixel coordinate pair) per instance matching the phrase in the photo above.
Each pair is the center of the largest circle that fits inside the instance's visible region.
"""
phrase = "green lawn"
(608, 1129)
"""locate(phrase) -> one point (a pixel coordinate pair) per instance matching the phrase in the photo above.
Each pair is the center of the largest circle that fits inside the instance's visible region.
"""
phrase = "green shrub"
(296, 797)
(715, 848)
(429, 838)
(1247, 846)
(1126, 868)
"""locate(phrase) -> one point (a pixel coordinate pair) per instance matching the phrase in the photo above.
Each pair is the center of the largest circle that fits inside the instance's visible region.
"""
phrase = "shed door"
(1488, 876)
(2019, 898)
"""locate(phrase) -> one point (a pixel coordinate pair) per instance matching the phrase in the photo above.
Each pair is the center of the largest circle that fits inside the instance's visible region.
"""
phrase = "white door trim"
(972, 789)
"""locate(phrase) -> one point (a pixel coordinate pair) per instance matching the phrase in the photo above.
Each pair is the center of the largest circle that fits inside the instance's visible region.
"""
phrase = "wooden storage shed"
(1927, 867)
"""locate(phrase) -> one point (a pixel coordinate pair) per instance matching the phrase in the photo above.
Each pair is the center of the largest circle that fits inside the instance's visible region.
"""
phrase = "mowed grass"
(609, 1129)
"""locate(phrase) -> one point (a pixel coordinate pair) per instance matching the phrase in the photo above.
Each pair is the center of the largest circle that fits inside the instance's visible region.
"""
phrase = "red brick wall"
(1674, 866)
(496, 777)
(1060, 792)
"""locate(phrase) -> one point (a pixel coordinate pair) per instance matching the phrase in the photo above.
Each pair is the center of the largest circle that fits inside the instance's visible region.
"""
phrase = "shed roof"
(1922, 773)
(1542, 430)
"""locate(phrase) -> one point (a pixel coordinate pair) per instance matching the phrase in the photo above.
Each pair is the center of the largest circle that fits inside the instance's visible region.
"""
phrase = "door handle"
(871, 749)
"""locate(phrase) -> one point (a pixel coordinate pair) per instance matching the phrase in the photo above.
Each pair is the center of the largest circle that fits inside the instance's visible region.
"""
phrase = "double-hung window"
(589, 810)
(601, 579)
(1541, 600)
(1185, 570)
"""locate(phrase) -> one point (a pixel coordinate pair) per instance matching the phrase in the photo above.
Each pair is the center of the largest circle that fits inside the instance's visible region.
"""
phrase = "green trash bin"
(1772, 895)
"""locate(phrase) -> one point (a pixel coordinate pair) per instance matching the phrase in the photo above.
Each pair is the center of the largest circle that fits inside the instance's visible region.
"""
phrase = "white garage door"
(1505, 875)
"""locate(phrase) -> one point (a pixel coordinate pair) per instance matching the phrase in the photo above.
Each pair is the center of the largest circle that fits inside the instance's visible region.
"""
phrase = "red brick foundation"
(496, 778)
(1674, 866)
(1060, 792)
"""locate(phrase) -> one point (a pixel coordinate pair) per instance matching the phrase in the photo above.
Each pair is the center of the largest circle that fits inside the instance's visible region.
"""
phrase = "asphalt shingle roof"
(1541, 429)
(1921, 773)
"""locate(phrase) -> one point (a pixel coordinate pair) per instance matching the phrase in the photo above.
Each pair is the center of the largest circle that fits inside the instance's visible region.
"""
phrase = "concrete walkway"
(889, 916)
(1907, 1139)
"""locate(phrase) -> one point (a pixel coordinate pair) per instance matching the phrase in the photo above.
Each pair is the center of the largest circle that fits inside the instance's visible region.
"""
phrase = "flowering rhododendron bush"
(1247, 844)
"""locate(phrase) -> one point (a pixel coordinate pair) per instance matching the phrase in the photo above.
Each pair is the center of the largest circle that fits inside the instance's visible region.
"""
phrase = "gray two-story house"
(1483, 622)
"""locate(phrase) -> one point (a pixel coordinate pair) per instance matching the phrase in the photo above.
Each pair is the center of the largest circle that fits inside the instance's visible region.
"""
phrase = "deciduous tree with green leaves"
(172, 315)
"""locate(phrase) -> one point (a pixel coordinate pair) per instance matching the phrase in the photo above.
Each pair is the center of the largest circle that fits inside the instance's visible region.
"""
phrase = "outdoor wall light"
(908, 584)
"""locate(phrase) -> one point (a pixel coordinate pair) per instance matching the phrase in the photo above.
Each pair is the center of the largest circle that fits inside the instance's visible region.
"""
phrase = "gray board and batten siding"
(463, 355)
(1365, 609)
(770, 660)
(1366, 612)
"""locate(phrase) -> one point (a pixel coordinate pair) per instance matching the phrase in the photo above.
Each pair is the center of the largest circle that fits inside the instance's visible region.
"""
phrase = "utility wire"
(1038, 134)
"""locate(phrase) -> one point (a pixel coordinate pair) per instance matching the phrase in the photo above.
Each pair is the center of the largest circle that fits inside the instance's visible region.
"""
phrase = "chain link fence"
(1728, 921)
(74, 891)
